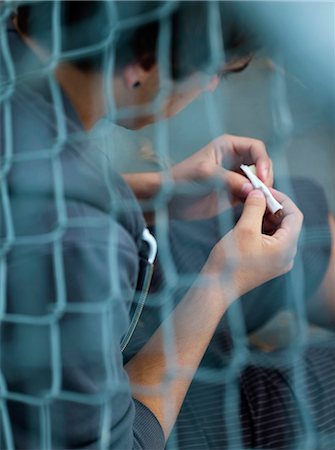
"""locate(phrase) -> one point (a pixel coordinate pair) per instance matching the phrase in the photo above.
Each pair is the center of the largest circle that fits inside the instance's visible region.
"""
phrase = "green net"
(34, 247)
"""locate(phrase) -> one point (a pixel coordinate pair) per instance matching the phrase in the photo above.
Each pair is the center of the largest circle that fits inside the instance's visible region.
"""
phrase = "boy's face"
(185, 92)
(155, 102)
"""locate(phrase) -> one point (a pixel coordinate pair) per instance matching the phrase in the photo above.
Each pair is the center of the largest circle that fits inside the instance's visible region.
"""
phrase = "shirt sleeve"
(148, 433)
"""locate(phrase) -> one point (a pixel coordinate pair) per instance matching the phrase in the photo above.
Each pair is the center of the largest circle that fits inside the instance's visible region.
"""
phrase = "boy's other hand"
(210, 181)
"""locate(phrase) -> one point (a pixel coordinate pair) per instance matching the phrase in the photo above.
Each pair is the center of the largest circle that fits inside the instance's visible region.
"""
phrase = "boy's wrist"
(144, 185)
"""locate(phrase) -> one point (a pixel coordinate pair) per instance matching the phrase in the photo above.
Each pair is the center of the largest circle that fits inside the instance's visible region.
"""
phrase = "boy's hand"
(247, 255)
(214, 178)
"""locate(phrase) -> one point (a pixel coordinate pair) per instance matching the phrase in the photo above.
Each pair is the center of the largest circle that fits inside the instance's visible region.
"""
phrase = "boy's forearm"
(144, 184)
(162, 371)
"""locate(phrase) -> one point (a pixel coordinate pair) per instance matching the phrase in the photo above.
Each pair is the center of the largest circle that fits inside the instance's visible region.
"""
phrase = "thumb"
(253, 211)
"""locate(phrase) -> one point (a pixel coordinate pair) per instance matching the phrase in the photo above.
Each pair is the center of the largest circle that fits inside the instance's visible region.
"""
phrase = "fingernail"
(256, 193)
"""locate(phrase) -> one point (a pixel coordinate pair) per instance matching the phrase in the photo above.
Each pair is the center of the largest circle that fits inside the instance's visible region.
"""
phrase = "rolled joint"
(273, 205)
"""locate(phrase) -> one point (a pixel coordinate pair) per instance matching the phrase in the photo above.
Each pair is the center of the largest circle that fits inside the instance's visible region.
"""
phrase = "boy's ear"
(134, 75)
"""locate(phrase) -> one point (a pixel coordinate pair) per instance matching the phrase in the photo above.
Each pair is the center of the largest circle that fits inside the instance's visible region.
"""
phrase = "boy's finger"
(253, 211)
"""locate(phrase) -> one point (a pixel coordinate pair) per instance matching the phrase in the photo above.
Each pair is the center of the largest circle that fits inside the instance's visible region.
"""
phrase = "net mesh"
(39, 334)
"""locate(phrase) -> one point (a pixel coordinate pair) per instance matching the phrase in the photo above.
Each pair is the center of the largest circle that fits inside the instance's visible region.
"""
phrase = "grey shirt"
(70, 244)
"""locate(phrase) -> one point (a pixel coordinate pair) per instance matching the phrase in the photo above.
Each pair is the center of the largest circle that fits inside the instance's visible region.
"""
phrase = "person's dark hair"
(88, 25)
